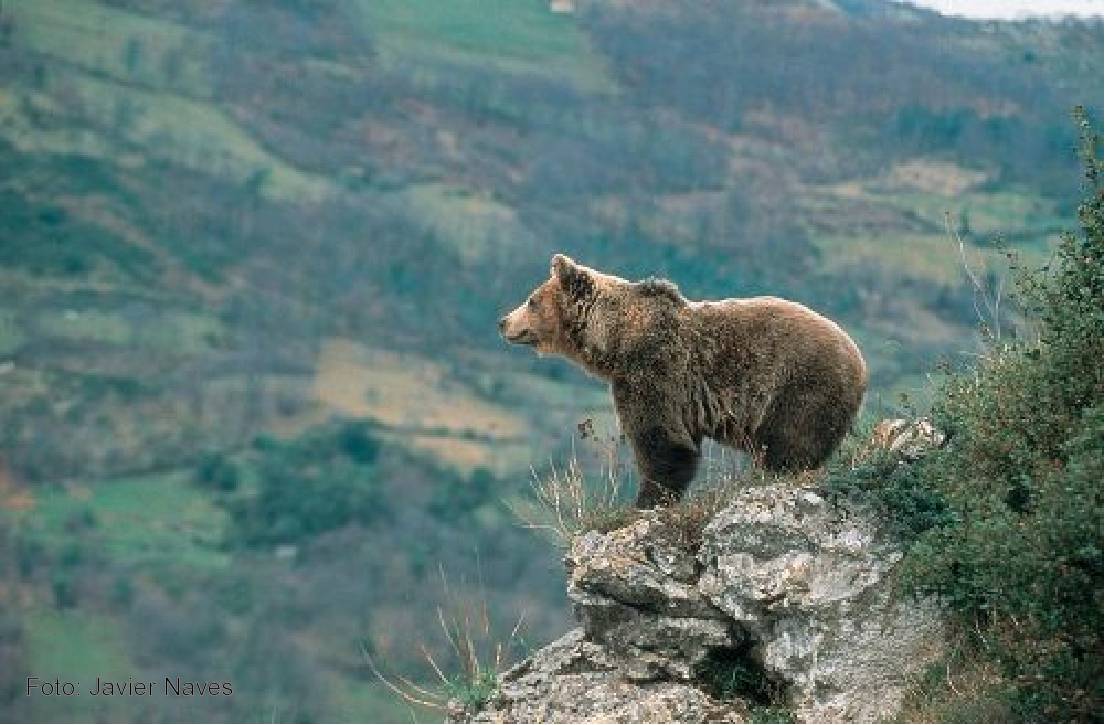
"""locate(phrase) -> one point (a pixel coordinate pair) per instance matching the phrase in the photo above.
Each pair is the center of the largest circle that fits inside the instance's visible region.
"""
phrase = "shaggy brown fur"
(763, 375)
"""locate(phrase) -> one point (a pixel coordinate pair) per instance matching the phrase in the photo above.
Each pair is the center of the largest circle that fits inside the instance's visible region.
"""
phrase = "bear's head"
(555, 310)
(585, 315)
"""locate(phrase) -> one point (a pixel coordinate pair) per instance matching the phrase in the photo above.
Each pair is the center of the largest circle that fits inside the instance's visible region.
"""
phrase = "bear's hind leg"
(665, 465)
(802, 444)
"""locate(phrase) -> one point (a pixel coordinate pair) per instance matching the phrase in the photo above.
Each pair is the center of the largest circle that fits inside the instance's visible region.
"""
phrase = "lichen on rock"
(802, 587)
(576, 680)
(809, 583)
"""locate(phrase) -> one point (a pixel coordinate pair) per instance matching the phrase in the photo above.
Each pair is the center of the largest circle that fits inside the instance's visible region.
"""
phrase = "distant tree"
(132, 55)
(322, 481)
(64, 590)
(217, 472)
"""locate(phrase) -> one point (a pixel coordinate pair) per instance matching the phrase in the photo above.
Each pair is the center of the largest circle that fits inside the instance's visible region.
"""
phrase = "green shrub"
(453, 497)
(293, 503)
(472, 690)
(357, 442)
(216, 471)
(1019, 555)
(71, 555)
(122, 592)
(320, 481)
(28, 555)
(901, 492)
(65, 592)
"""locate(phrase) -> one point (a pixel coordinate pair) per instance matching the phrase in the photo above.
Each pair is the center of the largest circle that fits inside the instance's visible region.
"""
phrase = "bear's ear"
(573, 279)
(561, 266)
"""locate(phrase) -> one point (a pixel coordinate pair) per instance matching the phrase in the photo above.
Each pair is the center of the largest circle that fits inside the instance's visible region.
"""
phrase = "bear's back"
(787, 336)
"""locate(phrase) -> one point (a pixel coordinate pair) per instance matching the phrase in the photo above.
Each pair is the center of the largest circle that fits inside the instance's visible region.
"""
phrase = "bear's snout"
(515, 328)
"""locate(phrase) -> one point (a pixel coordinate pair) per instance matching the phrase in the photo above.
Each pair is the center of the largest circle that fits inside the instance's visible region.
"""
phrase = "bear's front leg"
(666, 453)
(666, 467)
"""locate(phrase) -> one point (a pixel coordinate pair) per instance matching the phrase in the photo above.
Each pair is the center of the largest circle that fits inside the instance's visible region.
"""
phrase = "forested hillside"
(252, 396)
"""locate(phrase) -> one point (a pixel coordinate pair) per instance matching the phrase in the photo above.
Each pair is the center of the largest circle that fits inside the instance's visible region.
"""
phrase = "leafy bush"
(65, 591)
(357, 442)
(1020, 556)
(217, 472)
(321, 481)
(453, 498)
(901, 492)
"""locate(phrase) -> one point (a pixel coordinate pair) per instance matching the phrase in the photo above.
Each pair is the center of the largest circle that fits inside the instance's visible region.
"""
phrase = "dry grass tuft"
(567, 501)
(467, 675)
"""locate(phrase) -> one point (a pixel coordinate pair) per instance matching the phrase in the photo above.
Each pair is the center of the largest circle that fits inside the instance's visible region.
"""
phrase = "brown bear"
(763, 375)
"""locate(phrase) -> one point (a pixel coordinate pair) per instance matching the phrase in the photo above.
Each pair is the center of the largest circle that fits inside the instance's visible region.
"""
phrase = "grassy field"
(11, 336)
(181, 333)
(194, 134)
(152, 521)
(151, 52)
(415, 397)
(78, 647)
(125, 99)
(95, 646)
(987, 214)
(476, 225)
(513, 36)
(932, 257)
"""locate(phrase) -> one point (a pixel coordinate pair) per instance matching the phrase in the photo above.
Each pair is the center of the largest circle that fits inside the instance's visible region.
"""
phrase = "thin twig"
(395, 688)
(991, 302)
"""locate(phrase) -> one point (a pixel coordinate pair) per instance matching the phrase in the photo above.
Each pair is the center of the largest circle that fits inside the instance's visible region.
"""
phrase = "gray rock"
(636, 566)
(809, 583)
(909, 440)
(574, 680)
(800, 585)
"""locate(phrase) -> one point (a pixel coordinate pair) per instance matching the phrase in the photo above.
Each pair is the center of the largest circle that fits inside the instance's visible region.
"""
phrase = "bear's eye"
(531, 302)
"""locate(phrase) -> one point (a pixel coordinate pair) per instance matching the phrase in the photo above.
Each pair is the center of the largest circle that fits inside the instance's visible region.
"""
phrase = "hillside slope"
(251, 255)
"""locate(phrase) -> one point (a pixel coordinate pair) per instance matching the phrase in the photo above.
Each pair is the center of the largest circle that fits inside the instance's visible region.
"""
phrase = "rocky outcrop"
(794, 591)
(577, 680)
(810, 585)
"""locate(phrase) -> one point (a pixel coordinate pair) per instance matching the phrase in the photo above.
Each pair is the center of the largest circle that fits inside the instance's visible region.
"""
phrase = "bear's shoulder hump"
(659, 287)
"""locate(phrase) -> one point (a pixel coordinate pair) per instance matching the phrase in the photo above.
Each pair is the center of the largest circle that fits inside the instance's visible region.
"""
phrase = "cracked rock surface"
(576, 680)
(801, 586)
